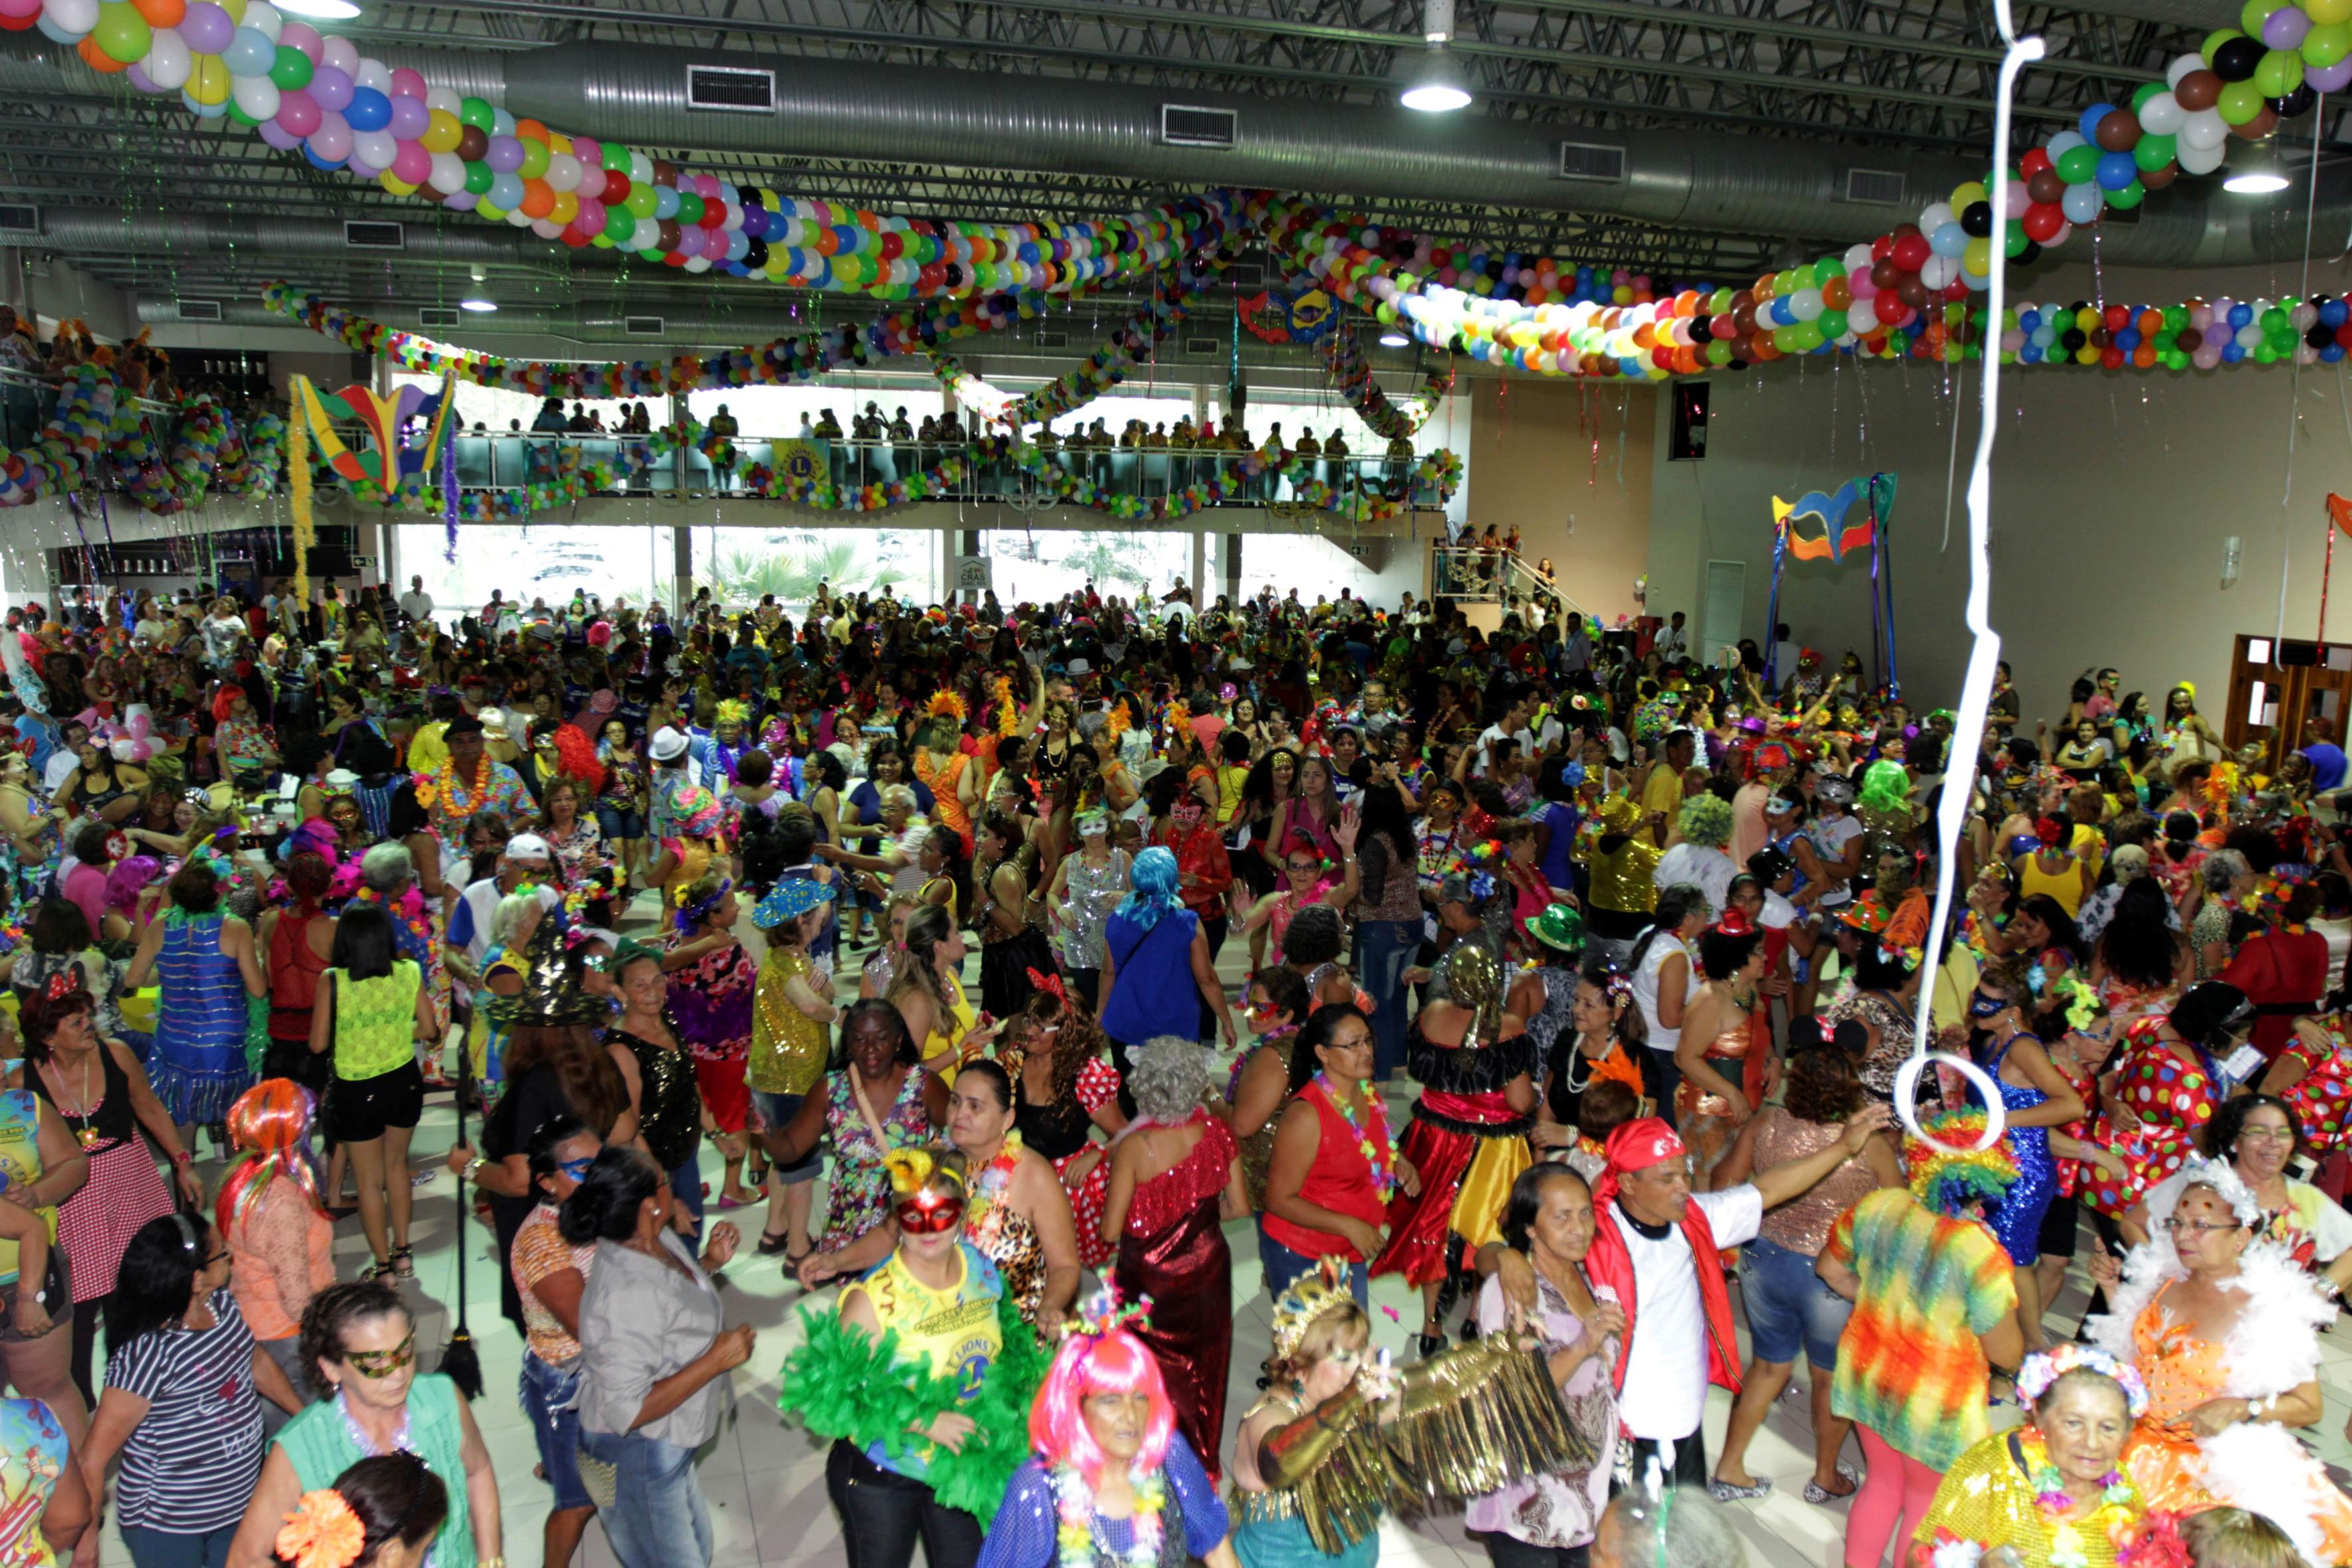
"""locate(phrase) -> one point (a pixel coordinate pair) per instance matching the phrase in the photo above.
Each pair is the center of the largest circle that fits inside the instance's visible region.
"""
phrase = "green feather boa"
(843, 1385)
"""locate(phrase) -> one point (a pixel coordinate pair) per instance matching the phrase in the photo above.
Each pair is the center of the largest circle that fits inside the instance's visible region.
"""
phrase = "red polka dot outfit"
(2322, 1097)
(1097, 1085)
(2173, 1100)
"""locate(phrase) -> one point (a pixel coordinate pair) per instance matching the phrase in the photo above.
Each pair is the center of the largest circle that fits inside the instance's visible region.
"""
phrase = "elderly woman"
(881, 1098)
(205, 962)
(359, 1347)
(1175, 1175)
(2226, 878)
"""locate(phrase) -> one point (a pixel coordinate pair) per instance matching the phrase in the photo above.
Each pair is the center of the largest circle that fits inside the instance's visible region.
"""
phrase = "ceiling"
(1910, 78)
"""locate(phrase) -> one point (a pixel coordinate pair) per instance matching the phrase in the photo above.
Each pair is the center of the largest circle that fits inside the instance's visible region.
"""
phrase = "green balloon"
(2174, 318)
(2152, 152)
(2240, 101)
(2148, 89)
(479, 178)
(2273, 319)
(2325, 45)
(2077, 165)
(122, 34)
(2013, 240)
(477, 113)
(640, 200)
(239, 115)
(690, 209)
(2130, 196)
(2278, 73)
(292, 69)
(534, 159)
(620, 223)
(617, 158)
(2255, 13)
(1831, 323)
(1828, 269)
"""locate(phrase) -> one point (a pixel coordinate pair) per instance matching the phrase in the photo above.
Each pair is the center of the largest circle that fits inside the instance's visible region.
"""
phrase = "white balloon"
(2180, 66)
(1937, 271)
(448, 172)
(340, 52)
(168, 62)
(374, 73)
(1862, 317)
(74, 17)
(641, 169)
(377, 147)
(563, 171)
(442, 98)
(516, 216)
(2161, 115)
(1936, 217)
(263, 19)
(2203, 127)
(2199, 160)
(1857, 257)
(257, 95)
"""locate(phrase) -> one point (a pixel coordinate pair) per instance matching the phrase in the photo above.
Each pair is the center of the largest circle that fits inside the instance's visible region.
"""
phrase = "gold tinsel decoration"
(1476, 1419)
(1008, 711)
(297, 477)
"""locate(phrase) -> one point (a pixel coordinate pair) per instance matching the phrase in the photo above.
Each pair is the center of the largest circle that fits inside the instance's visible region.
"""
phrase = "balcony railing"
(1474, 574)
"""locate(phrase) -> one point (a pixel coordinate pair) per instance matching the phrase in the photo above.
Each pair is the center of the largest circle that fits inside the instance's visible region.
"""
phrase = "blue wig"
(1153, 887)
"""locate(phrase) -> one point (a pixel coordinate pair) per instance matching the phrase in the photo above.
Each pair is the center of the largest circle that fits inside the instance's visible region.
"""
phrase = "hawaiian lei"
(984, 1211)
(2114, 1514)
(439, 788)
(1373, 1143)
(1074, 1503)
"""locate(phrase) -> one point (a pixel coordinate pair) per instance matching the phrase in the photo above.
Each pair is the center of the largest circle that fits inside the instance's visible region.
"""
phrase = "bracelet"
(490, 1562)
(183, 1157)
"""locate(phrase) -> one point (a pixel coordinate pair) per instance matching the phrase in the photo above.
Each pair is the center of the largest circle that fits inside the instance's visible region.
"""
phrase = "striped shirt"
(190, 1464)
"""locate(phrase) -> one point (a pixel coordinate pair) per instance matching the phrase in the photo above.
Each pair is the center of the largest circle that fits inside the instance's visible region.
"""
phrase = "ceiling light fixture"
(2260, 180)
(478, 305)
(1392, 339)
(1434, 82)
(321, 10)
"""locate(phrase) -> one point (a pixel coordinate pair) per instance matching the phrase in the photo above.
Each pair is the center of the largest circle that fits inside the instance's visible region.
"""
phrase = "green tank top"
(319, 1445)
(375, 1021)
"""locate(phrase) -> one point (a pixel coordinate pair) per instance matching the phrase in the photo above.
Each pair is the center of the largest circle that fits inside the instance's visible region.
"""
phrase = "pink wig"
(1088, 1365)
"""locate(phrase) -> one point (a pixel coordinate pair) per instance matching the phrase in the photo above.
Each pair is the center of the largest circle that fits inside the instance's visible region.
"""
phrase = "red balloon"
(2198, 89)
(2113, 358)
(616, 188)
(2036, 159)
(1905, 230)
(1911, 252)
(2115, 316)
(1881, 248)
(2043, 221)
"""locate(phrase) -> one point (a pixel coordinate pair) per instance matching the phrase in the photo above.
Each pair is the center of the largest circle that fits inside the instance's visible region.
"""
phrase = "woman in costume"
(2224, 1328)
(1468, 1139)
(1063, 1090)
(2053, 1491)
(2283, 969)
(1711, 1103)
(2036, 1099)
(2258, 1135)
(1322, 1342)
(926, 1430)
(2167, 1085)
(1112, 1480)
(1175, 1175)
(2312, 1075)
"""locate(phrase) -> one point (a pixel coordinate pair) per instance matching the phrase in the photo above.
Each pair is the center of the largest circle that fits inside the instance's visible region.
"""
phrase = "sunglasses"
(384, 1363)
(917, 1218)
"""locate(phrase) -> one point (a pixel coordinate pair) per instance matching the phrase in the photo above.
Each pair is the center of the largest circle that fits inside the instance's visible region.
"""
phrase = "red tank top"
(294, 972)
(1338, 1181)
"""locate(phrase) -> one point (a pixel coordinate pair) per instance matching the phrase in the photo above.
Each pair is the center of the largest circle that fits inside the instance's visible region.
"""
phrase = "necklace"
(984, 1214)
(1370, 1131)
(2117, 1501)
(399, 1443)
(1078, 1536)
(438, 788)
(79, 1118)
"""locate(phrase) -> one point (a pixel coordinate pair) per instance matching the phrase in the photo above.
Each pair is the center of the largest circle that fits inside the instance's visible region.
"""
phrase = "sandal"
(771, 1242)
(1724, 1491)
(1817, 1493)
(404, 1262)
(375, 1272)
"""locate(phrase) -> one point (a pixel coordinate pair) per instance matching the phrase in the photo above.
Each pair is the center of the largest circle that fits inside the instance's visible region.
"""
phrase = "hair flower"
(322, 1533)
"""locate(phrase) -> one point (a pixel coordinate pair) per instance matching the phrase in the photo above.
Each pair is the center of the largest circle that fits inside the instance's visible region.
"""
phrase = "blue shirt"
(1023, 1534)
(2328, 766)
(1152, 989)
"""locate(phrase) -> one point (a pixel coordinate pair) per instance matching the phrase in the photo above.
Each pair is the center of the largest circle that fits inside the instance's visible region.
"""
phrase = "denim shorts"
(551, 1397)
(777, 1111)
(617, 823)
(1788, 1308)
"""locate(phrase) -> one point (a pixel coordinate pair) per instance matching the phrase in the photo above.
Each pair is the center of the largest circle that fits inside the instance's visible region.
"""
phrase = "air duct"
(933, 118)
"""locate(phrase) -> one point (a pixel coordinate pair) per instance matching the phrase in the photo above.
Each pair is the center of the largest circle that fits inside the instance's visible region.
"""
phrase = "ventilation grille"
(1052, 339)
(199, 309)
(641, 326)
(360, 235)
(20, 220)
(1591, 161)
(730, 89)
(1874, 187)
(1185, 125)
(439, 316)
(1204, 347)
(1248, 273)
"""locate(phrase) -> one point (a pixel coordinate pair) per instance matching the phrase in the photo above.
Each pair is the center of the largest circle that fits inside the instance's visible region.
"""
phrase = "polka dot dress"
(2172, 1099)
(2322, 1097)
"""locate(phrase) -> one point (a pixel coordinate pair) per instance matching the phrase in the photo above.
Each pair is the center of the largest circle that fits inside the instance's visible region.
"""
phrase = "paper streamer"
(298, 482)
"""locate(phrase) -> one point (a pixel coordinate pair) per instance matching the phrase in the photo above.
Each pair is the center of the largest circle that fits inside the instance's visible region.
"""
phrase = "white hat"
(1080, 667)
(668, 744)
(528, 847)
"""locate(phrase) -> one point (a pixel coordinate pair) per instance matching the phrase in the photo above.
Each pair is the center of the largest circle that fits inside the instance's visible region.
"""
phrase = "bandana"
(1636, 1146)
(1641, 1143)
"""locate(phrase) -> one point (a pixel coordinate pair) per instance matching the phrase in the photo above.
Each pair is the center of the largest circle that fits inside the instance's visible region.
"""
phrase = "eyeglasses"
(384, 1363)
(919, 1218)
(2267, 1134)
(2195, 1227)
(1296, 869)
(218, 1257)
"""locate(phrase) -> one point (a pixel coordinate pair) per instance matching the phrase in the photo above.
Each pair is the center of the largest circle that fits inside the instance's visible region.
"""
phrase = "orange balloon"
(1836, 294)
(96, 59)
(162, 13)
(538, 198)
(827, 242)
(531, 130)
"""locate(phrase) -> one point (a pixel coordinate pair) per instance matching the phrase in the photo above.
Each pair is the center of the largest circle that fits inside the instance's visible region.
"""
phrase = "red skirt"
(1450, 1161)
(724, 1091)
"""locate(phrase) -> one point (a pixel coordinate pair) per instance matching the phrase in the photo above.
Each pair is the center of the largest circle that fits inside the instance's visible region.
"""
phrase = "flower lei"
(1372, 1143)
(438, 787)
(984, 1212)
(1073, 1504)
(2114, 1514)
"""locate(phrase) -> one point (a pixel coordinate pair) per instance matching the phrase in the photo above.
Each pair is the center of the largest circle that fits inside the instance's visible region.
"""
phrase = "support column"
(682, 568)
(1234, 567)
(1199, 577)
(972, 546)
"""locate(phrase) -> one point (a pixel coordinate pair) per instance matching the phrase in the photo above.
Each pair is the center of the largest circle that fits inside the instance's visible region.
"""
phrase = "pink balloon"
(591, 220)
(546, 229)
(707, 186)
(590, 153)
(406, 83)
(303, 37)
(1859, 284)
(298, 113)
(332, 140)
(341, 53)
(20, 7)
(592, 181)
(412, 163)
(2207, 356)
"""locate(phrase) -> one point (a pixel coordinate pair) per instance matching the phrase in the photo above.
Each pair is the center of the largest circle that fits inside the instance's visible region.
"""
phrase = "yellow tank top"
(1229, 793)
(953, 1332)
(956, 1024)
(2065, 886)
(20, 1164)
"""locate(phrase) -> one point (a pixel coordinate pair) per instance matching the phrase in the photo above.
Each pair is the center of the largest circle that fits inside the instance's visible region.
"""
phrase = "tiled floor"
(765, 1480)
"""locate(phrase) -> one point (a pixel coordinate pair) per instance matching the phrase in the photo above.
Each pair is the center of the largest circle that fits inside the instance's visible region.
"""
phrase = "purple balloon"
(460, 200)
(332, 140)
(297, 112)
(409, 118)
(330, 87)
(278, 136)
(755, 222)
(206, 28)
(2328, 79)
(141, 79)
(504, 155)
(2285, 27)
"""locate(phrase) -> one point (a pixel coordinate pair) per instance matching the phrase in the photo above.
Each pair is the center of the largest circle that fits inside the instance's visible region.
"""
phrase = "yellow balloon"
(1965, 196)
(395, 184)
(236, 9)
(558, 143)
(2087, 355)
(1977, 256)
(443, 132)
(2327, 12)
(566, 208)
(209, 82)
(2088, 319)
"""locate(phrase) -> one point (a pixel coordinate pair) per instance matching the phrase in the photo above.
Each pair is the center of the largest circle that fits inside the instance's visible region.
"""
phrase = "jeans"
(1213, 928)
(883, 1514)
(1282, 1267)
(1660, 1078)
(778, 1110)
(161, 1549)
(1508, 1552)
(653, 1513)
(685, 1188)
(1384, 949)
(551, 1396)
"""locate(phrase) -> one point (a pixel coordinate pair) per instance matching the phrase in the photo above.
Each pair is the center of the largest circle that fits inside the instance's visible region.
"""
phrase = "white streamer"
(1984, 651)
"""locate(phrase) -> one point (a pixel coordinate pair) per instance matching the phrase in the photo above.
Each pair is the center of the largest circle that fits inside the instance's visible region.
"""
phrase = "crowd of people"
(1578, 991)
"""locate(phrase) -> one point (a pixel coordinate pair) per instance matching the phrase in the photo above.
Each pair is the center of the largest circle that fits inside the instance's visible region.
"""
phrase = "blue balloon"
(2242, 315)
(501, 122)
(2332, 314)
(2232, 351)
(2089, 124)
(316, 161)
(2030, 353)
(57, 35)
(249, 53)
(2027, 320)
(506, 191)
(2117, 170)
(665, 202)
(369, 109)
(2128, 339)
(2331, 354)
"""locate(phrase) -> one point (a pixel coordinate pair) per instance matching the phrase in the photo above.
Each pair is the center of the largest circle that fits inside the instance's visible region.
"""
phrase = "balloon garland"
(94, 433)
(1352, 377)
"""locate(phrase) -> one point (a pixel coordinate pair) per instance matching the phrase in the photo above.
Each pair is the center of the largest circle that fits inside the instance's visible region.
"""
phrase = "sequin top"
(1803, 1223)
(1988, 1498)
(1094, 892)
(787, 1047)
(670, 1106)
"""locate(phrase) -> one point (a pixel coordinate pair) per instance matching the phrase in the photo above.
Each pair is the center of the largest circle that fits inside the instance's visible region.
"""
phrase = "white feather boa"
(2274, 1347)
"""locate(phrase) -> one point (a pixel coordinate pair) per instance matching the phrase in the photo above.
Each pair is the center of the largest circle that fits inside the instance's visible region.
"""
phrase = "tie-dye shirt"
(1910, 1366)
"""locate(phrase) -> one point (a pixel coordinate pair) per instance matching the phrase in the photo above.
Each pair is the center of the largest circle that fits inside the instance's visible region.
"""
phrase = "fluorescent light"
(478, 305)
(2255, 183)
(1436, 85)
(1392, 339)
(322, 10)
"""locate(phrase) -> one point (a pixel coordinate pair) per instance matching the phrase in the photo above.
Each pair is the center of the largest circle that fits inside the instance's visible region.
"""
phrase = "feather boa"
(843, 1385)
